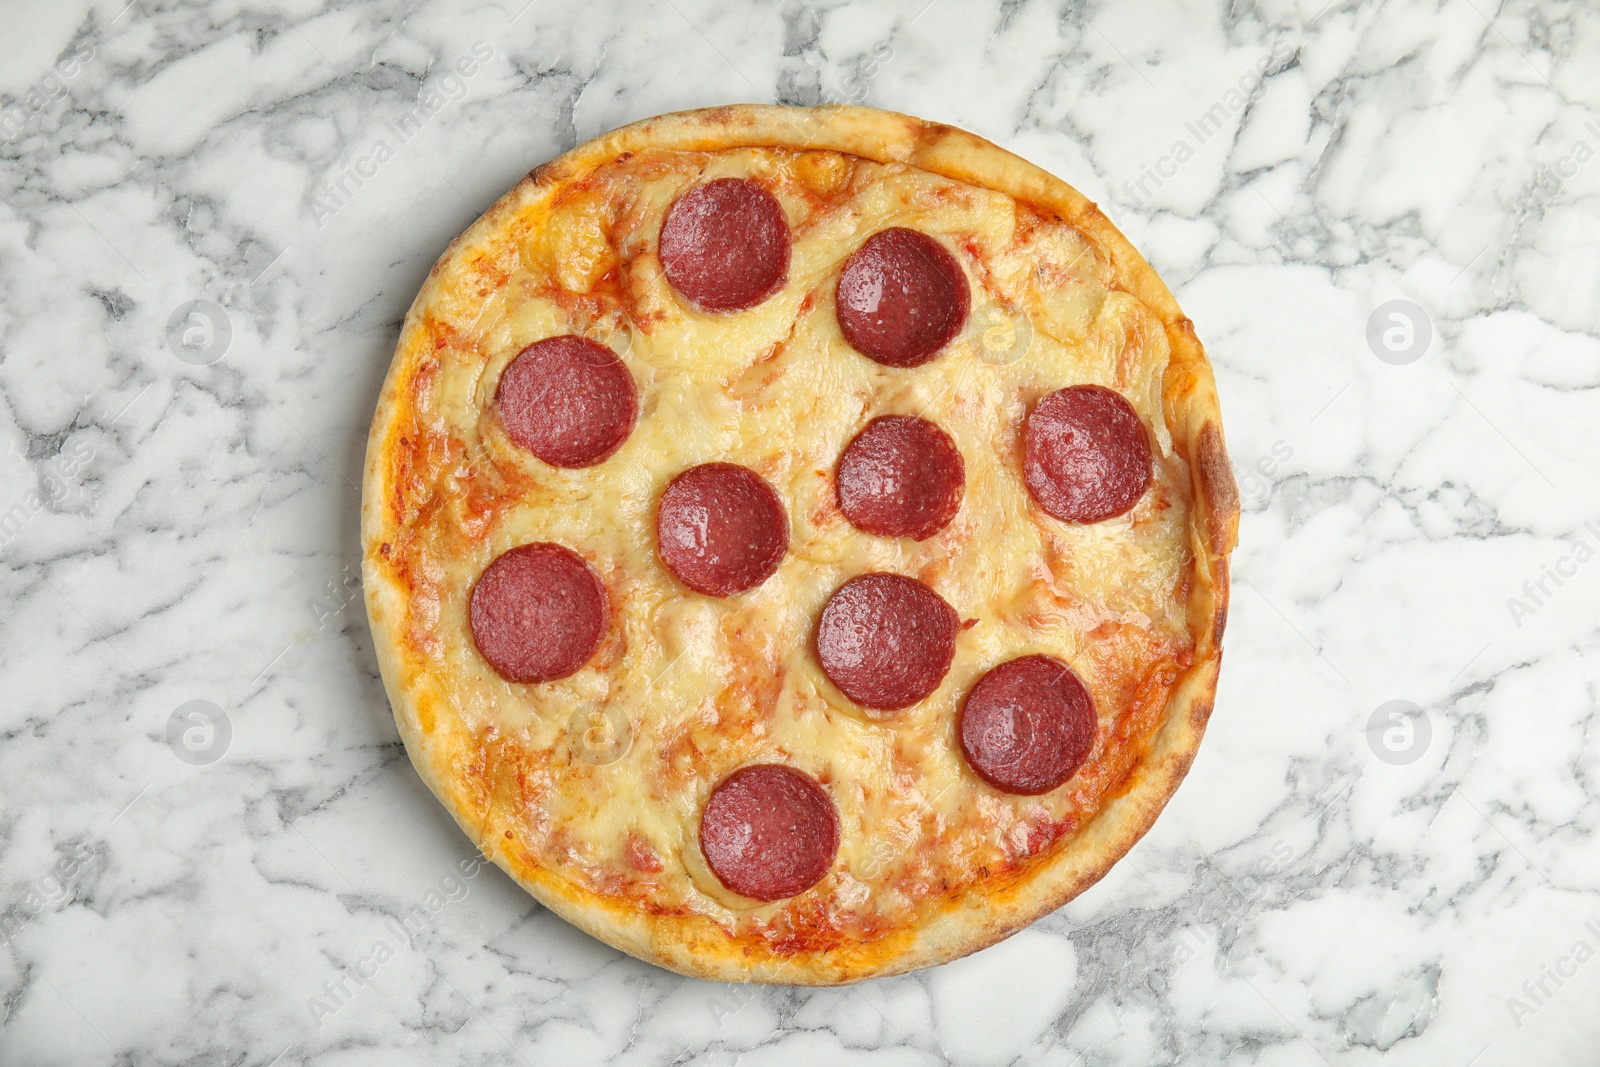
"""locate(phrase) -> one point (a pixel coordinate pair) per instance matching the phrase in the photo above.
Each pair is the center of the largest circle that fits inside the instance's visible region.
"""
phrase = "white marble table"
(1341, 879)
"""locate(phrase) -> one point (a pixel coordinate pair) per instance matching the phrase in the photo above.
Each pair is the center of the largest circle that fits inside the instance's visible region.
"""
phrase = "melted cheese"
(688, 688)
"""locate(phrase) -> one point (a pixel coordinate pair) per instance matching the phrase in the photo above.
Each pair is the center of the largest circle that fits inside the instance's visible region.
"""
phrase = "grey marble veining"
(212, 847)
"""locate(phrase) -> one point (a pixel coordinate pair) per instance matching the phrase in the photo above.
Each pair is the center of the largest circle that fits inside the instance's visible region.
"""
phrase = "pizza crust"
(450, 758)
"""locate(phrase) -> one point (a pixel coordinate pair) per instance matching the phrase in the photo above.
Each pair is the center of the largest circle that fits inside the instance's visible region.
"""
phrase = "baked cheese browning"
(705, 687)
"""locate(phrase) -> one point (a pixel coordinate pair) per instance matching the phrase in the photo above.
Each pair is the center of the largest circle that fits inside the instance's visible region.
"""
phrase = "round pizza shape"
(795, 541)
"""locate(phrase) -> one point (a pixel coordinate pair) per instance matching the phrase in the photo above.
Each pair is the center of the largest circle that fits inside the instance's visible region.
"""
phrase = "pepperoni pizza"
(796, 541)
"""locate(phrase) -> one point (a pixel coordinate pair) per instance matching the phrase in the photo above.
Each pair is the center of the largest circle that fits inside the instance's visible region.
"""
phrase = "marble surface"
(1383, 220)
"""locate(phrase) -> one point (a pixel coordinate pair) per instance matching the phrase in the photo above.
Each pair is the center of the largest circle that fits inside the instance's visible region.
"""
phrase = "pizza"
(795, 541)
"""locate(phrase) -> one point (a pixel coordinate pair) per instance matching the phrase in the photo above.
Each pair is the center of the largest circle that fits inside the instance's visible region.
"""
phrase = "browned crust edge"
(693, 945)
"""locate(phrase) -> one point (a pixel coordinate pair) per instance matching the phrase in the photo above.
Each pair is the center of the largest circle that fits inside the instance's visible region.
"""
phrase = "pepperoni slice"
(721, 529)
(568, 400)
(1027, 726)
(769, 832)
(901, 477)
(1086, 455)
(725, 245)
(886, 640)
(901, 298)
(538, 613)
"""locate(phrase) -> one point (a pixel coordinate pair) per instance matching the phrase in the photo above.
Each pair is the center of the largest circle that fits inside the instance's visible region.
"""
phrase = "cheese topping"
(615, 762)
